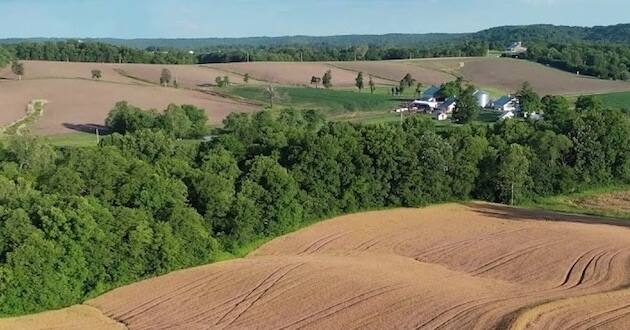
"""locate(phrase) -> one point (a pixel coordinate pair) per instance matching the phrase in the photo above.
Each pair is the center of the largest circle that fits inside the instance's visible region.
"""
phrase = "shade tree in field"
(358, 82)
(372, 85)
(97, 74)
(271, 94)
(327, 79)
(315, 81)
(18, 69)
(165, 77)
(407, 81)
(222, 81)
(419, 87)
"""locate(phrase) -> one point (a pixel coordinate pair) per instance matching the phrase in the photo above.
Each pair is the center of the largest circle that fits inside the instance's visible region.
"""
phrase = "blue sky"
(242, 18)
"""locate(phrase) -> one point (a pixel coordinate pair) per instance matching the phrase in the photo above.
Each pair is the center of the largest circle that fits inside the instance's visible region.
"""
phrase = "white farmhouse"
(506, 104)
(448, 106)
(516, 48)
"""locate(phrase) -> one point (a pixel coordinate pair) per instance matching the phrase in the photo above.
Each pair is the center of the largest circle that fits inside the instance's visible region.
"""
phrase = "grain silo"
(483, 98)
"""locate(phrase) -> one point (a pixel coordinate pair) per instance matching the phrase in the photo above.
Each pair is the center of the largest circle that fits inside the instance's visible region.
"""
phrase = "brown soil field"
(509, 74)
(189, 76)
(474, 266)
(291, 73)
(396, 70)
(69, 70)
(73, 318)
(74, 103)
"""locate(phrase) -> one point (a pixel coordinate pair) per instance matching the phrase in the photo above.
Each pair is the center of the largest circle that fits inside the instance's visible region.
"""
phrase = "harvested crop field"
(452, 266)
(68, 70)
(291, 73)
(74, 103)
(618, 202)
(396, 70)
(509, 74)
(189, 76)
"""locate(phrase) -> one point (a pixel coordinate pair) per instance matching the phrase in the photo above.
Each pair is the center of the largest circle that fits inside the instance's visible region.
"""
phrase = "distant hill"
(556, 34)
(395, 39)
(504, 34)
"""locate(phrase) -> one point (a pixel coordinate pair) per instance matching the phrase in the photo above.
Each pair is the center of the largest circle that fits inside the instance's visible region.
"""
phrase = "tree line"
(75, 51)
(76, 222)
(605, 61)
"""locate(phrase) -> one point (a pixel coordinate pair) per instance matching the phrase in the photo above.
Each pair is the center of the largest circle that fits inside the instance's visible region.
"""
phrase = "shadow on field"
(514, 213)
(87, 128)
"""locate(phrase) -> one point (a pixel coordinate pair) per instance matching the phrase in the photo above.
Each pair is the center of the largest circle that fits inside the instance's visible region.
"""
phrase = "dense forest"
(75, 51)
(75, 222)
(597, 60)
(340, 53)
(5, 57)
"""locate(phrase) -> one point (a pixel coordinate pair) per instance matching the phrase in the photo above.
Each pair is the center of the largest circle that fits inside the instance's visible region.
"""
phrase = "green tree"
(271, 94)
(327, 79)
(97, 74)
(165, 77)
(419, 87)
(359, 81)
(18, 69)
(372, 85)
(466, 109)
(315, 81)
(528, 99)
(513, 177)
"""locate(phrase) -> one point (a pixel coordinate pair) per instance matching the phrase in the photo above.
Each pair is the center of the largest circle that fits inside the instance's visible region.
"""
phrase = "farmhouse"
(448, 106)
(431, 94)
(506, 103)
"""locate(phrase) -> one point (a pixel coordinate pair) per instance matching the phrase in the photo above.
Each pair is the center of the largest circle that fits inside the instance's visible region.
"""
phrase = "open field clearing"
(451, 266)
(74, 104)
(396, 70)
(292, 73)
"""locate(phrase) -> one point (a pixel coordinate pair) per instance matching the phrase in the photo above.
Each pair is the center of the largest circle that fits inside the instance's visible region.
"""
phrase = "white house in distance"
(441, 116)
(515, 49)
(506, 104)
(448, 106)
(428, 101)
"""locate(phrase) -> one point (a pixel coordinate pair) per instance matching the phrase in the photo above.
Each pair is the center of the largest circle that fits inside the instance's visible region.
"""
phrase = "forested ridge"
(75, 222)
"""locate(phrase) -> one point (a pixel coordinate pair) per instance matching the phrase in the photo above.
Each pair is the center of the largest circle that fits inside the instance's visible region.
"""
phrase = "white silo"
(483, 98)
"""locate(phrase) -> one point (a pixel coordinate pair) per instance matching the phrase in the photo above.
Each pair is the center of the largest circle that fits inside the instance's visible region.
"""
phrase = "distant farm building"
(431, 94)
(506, 104)
(483, 98)
(515, 49)
(448, 106)
(441, 116)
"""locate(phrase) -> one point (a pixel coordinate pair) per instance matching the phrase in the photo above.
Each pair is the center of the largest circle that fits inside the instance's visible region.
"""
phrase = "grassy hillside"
(327, 100)
(616, 100)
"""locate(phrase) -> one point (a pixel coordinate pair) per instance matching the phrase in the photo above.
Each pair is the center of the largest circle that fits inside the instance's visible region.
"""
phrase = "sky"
(246, 18)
